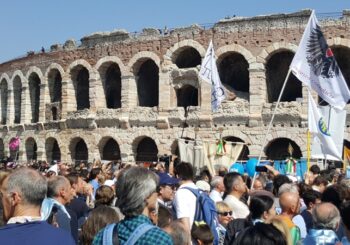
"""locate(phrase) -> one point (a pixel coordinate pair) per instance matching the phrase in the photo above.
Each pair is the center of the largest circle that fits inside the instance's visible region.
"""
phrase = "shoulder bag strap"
(138, 232)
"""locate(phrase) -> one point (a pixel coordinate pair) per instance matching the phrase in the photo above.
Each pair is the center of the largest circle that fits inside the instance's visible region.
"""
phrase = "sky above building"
(29, 25)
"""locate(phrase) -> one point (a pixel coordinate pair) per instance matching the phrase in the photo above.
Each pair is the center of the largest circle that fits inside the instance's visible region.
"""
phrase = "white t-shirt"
(185, 202)
(239, 209)
(215, 196)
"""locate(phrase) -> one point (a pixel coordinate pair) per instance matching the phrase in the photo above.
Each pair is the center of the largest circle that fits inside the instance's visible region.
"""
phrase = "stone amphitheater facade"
(120, 95)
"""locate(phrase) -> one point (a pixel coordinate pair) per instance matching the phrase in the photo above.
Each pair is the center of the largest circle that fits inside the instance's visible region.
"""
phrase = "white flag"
(209, 73)
(314, 64)
(319, 128)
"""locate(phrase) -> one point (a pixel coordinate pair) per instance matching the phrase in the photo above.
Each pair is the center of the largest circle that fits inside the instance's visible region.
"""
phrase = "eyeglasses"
(225, 213)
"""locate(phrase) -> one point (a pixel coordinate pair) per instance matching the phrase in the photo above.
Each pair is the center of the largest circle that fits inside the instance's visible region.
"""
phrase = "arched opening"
(17, 97)
(54, 113)
(31, 149)
(80, 150)
(186, 96)
(4, 101)
(112, 84)
(245, 151)
(276, 71)
(111, 150)
(148, 84)
(188, 57)
(147, 150)
(80, 78)
(342, 55)
(282, 148)
(234, 73)
(53, 152)
(2, 149)
(34, 92)
(55, 86)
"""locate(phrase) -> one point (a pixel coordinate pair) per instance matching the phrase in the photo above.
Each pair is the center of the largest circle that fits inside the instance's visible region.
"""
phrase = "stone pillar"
(26, 112)
(205, 96)
(10, 108)
(257, 93)
(69, 102)
(42, 102)
(40, 155)
(129, 92)
(97, 93)
(93, 92)
(164, 90)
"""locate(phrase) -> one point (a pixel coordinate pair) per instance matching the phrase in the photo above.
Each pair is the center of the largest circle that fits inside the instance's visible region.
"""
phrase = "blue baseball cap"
(166, 179)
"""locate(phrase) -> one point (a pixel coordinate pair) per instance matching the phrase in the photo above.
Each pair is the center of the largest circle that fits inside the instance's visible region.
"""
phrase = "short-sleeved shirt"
(184, 202)
(127, 226)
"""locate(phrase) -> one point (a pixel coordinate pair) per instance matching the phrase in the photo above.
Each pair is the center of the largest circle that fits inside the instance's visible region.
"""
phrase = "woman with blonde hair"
(224, 216)
(281, 226)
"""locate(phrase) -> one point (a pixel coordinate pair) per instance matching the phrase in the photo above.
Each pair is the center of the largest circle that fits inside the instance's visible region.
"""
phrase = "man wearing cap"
(166, 189)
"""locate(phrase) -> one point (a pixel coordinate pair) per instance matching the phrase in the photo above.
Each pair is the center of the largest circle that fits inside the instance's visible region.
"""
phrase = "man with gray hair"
(326, 220)
(137, 200)
(22, 193)
(217, 185)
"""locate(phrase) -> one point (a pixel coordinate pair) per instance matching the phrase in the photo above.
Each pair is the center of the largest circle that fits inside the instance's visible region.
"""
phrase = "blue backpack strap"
(107, 238)
(138, 232)
(198, 213)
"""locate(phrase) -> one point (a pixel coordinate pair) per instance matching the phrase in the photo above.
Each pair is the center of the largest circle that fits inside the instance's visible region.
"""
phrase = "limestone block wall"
(86, 131)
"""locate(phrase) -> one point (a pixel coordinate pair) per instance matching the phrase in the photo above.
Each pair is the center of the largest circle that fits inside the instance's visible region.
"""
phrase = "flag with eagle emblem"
(314, 64)
(319, 128)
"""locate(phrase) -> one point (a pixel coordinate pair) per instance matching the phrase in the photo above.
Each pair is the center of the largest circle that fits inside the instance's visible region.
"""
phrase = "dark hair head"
(229, 180)
(278, 181)
(259, 234)
(333, 194)
(259, 204)
(104, 195)
(310, 196)
(203, 233)
(73, 178)
(345, 214)
(205, 174)
(184, 171)
(320, 180)
(315, 169)
(164, 216)
(94, 172)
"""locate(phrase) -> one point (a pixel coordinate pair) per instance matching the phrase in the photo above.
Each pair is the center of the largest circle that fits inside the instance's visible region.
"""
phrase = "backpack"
(206, 211)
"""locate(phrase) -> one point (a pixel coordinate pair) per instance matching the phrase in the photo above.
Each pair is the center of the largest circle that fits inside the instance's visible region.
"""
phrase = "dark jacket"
(234, 227)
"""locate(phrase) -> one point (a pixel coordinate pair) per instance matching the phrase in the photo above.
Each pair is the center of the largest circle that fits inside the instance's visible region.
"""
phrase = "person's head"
(315, 170)
(278, 181)
(98, 219)
(311, 198)
(205, 175)
(217, 183)
(262, 207)
(59, 188)
(166, 187)
(95, 173)
(259, 183)
(104, 195)
(202, 234)
(203, 185)
(76, 182)
(290, 203)
(164, 216)
(184, 171)
(136, 191)
(222, 171)
(234, 183)
(178, 233)
(320, 183)
(333, 194)
(288, 187)
(24, 189)
(224, 213)
(259, 234)
(325, 216)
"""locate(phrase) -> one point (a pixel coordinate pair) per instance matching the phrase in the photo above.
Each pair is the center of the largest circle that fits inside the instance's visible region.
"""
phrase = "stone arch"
(139, 58)
(277, 67)
(54, 66)
(266, 53)
(223, 51)
(245, 151)
(187, 95)
(145, 149)
(277, 149)
(172, 52)
(78, 149)
(54, 80)
(112, 59)
(14, 154)
(4, 87)
(186, 57)
(31, 149)
(111, 78)
(109, 149)
(34, 69)
(6, 77)
(34, 82)
(17, 83)
(80, 72)
(52, 149)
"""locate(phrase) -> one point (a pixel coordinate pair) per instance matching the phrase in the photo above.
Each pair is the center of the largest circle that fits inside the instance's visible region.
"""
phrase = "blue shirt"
(37, 232)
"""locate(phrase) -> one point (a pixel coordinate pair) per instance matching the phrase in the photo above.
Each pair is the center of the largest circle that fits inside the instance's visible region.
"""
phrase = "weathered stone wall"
(256, 39)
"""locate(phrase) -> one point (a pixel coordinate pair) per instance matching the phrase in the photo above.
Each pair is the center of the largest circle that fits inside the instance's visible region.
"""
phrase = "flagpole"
(308, 150)
(270, 124)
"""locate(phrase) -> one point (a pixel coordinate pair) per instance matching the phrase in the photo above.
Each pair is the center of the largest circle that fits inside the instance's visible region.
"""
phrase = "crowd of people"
(113, 203)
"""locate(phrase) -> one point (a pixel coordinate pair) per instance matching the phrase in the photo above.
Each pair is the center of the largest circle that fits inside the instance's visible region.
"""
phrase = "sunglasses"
(225, 213)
